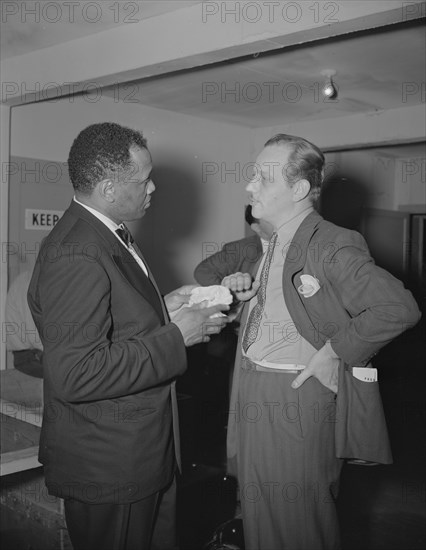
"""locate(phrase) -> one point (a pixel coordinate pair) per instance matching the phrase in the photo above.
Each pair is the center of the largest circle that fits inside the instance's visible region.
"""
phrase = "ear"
(301, 190)
(106, 190)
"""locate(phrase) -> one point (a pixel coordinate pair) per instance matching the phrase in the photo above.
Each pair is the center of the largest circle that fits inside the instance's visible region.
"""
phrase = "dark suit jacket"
(242, 255)
(361, 308)
(110, 357)
(236, 256)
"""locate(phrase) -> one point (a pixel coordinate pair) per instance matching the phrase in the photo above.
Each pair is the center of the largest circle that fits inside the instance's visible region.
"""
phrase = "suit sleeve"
(379, 305)
(213, 269)
(88, 357)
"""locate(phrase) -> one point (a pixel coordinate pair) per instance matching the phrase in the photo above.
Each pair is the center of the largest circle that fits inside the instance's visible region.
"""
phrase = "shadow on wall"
(342, 201)
(172, 216)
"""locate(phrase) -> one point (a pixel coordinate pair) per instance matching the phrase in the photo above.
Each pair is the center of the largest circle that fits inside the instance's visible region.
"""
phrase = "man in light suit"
(109, 441)
(304, 394)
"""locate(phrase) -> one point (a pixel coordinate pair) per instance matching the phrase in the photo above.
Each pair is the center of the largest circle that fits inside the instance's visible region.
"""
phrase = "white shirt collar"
(101, 217)
(265, 244)
(112, 226)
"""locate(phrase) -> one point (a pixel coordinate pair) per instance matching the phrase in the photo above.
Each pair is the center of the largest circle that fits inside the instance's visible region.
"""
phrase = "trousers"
(148, 524)
(287, 470)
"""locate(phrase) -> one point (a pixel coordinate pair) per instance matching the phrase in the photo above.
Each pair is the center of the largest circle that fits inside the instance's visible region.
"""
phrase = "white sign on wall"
(42, 219)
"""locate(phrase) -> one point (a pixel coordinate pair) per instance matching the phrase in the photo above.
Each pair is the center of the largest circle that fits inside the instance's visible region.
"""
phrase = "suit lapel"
(294, 264)
(137, 278)
(124, 261)
(153, 283)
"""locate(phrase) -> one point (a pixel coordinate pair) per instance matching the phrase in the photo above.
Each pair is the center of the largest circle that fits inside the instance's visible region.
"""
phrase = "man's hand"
(177, 298)
(324, 366)
(196, 324)
(241, 285)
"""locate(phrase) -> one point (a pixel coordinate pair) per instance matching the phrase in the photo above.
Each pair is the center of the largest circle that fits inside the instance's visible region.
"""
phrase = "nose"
(254, 180)
(151, 187)
(250, 187)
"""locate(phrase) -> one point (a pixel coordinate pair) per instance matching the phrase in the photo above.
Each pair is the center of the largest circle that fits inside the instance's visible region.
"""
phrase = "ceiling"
(34, 25)
(374, 69)
(411, 150)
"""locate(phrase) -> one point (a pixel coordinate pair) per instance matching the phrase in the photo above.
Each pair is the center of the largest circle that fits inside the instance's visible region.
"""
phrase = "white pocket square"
(310, 285)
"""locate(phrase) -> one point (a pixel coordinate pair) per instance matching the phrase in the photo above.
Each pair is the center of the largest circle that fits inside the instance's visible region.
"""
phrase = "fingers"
(238, 282)
(209, 311)
(212, 320)
(211, 328)
(179, 300)
(245, 295)
(301, 378)
(256, 285)
(327, 375)
(186, 289)
(333, 387)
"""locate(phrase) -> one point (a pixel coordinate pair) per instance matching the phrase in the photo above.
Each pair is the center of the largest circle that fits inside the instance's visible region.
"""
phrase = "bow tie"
(124, 235)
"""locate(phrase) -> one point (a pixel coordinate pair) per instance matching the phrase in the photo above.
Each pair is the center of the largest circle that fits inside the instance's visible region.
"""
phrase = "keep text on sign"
(42, 219)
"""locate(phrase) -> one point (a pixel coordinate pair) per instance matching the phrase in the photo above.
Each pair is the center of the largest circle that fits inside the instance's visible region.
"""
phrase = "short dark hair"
(306, 161)
(248, 216)
(101, 151)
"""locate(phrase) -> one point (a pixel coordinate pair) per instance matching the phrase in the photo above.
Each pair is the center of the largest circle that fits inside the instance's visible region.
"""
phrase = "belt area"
(285, 368)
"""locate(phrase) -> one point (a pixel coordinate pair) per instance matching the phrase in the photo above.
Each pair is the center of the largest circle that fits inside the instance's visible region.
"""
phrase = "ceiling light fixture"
(329, 90)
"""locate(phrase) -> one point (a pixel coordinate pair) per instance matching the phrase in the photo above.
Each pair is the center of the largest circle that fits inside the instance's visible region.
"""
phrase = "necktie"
(124, 235)
(255, 316)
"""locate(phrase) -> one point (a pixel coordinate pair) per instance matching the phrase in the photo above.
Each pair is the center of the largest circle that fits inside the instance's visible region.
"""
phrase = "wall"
(402, 125)
(387, 178)
(410, 181)
(197, 206)
(34, 184)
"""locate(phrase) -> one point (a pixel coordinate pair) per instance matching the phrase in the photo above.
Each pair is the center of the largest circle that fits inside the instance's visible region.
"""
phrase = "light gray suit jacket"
(360, 308)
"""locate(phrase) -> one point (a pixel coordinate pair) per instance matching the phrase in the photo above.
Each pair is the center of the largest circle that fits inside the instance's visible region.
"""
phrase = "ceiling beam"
(191, 37)
(386, 127)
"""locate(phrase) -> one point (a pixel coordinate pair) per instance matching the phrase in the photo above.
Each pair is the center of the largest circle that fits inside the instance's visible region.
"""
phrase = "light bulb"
(329, 90)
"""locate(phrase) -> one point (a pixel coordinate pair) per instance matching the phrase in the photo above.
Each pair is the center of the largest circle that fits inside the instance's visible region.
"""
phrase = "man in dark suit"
(109, 441)
(323, 309)
(243, 255)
